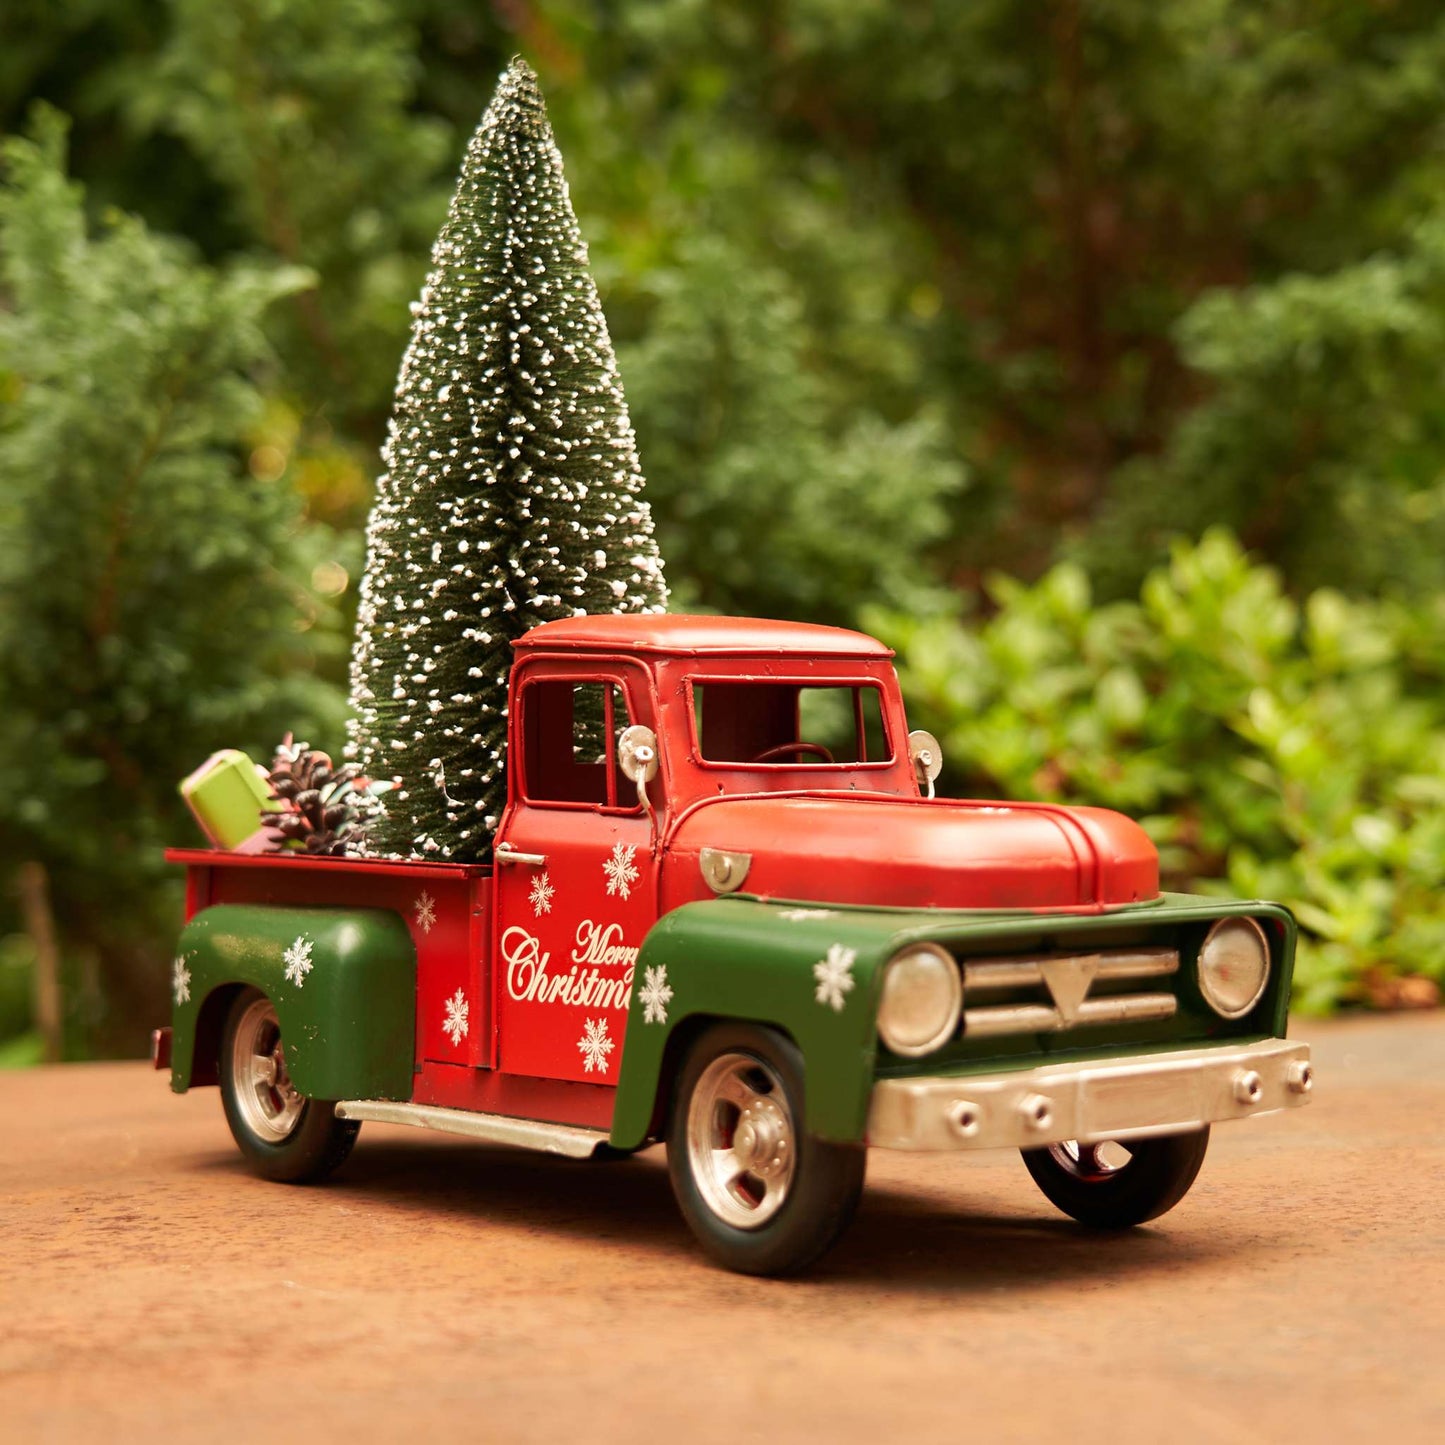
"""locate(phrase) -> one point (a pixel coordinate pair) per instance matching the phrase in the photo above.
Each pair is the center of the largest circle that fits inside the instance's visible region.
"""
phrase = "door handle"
(505, 853)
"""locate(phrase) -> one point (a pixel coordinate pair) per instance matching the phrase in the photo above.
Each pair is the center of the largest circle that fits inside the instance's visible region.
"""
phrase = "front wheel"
(1114, 1185)
(761, 1195)
(283, 1135)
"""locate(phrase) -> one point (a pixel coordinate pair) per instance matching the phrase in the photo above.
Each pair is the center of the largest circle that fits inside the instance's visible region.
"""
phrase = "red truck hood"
(912, 853)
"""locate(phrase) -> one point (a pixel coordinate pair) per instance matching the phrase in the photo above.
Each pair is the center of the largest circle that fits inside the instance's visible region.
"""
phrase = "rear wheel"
(1113, 1184)
(283, 1135)
(762, 1196)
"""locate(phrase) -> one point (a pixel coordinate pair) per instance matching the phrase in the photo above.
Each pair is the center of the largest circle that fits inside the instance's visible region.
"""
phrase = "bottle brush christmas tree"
(512, 493)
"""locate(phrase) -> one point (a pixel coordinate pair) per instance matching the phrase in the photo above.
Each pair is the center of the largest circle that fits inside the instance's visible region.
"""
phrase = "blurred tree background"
(1090, 351)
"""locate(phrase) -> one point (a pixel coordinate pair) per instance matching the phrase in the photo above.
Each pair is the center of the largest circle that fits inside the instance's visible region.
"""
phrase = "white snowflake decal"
(595, 1046)
(458, 1010)
(621, 874)
(800, 915)
(181, 980)
(655, 996)
(835, 976)
(298, 960)
(541, 895)
(426, 911)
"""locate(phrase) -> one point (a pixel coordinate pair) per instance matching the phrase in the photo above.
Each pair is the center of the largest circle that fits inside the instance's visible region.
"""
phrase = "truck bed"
(447, 908)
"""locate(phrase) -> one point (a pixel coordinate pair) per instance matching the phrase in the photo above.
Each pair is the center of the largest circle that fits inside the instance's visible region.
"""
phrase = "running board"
(568, 1139)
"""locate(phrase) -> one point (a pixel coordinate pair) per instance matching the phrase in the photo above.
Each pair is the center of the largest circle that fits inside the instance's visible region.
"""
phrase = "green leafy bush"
(1271, 748)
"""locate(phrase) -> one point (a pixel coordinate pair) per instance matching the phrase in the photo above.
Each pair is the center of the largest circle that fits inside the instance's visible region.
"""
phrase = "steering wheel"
(769, 754)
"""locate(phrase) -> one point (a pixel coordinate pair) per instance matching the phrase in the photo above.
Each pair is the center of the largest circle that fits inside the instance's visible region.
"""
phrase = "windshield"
(789, 724)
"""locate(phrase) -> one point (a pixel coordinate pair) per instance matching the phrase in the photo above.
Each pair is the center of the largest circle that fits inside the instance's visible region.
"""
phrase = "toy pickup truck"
(725, 912)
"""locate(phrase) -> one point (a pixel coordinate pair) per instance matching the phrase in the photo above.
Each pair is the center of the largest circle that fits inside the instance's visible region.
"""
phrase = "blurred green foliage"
(150, 589)
(1272, 748)
(906, 296)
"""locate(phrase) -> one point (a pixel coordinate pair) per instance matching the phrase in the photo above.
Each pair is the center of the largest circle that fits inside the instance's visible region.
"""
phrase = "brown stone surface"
(151, 1289)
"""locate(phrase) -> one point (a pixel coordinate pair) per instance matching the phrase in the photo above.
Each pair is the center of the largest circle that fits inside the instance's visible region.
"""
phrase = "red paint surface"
(921, 854)
(314, 866)
(486, 1091)
(679, 634)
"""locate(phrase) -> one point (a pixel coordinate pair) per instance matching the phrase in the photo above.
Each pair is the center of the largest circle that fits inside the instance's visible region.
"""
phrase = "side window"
(569, 742)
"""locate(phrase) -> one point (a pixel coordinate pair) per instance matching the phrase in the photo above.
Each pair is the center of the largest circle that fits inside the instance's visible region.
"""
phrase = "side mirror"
(637, 757)
(927, 759)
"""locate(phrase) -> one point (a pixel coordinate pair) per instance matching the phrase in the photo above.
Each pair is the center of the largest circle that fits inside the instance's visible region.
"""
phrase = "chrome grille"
(1049, 992)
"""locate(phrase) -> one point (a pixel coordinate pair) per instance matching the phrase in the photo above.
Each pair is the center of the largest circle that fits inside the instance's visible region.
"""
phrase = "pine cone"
(320, 813)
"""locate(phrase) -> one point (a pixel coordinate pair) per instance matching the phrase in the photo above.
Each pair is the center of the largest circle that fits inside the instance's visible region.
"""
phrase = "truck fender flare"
(742, 960)
(342, 981)
(210, 1025)
(679, 1044)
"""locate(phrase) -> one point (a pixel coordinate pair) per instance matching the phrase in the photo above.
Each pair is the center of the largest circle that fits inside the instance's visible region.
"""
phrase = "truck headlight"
(1233, 966)
(922, 998)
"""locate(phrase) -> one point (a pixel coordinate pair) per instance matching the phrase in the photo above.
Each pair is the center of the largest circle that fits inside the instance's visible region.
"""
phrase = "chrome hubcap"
(265, 1095)
(761, 1139)
(1091, 1161)
(741, 1140)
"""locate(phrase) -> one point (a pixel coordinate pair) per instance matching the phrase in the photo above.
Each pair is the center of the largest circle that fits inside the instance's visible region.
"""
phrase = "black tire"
(284, 1136)
(777, 1217)
(1118, 1194)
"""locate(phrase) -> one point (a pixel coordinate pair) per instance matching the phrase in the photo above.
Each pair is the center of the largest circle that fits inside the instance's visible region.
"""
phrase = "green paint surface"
(348, 1026)
(742, 958)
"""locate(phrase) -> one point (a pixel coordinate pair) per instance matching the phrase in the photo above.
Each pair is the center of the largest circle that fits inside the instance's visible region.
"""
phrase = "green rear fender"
(343, 983)
(789, 968)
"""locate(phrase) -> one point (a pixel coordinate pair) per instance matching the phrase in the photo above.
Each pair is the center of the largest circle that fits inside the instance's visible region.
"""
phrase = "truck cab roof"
(679, 635)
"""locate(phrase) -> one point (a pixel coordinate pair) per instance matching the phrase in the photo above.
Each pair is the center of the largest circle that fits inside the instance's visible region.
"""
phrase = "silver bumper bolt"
(964, 1118)
(1248, 1087)
(1037, 1111)
(1300, 1078)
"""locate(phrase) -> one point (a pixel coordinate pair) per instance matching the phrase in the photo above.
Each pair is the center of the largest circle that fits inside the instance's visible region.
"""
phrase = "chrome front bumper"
(1128, 1098)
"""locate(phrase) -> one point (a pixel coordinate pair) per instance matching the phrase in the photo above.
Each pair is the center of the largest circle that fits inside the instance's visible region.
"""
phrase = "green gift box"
(227, 795)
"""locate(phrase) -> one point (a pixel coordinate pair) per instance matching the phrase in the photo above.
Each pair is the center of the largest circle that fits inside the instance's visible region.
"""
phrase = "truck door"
(576, 872)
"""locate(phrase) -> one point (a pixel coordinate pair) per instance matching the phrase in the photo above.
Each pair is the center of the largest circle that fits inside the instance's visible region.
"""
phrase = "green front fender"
(342, 980)
(741, 958)
(737, 958)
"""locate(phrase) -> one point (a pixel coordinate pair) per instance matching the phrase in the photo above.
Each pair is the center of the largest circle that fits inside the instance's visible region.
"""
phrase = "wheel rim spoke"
(764, 1187)
(1091, 1163)
(727, 1168)
(1114, 1156)
(734, 1089)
